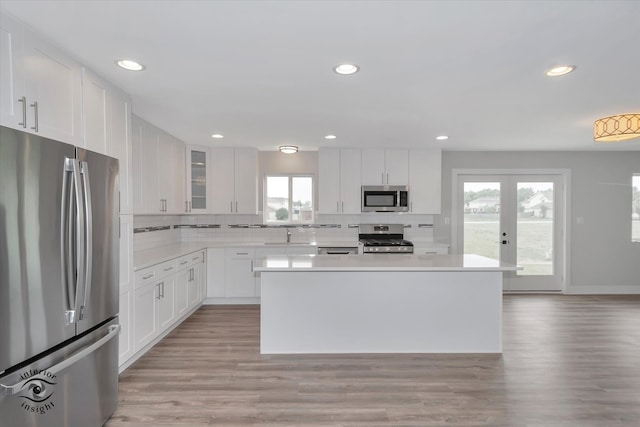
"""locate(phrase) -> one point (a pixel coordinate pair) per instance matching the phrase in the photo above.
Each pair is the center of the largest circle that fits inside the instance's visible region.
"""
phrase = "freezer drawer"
(74, 386)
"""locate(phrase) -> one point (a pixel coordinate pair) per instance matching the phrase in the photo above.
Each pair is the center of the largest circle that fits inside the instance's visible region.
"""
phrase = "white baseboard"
(603, 290)
(231, 301)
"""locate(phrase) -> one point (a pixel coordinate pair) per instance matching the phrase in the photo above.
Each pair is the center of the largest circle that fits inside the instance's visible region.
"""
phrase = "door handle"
(24, 112)
(35, 115)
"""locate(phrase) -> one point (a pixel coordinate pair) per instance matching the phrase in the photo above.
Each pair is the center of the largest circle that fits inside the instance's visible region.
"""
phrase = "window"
(635, 208)
(288, 199)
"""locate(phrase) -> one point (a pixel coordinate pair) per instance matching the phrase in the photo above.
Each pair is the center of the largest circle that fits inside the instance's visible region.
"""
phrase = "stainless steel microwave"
(385, 198)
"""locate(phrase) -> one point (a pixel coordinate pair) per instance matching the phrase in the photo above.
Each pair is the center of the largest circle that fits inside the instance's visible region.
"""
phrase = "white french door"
(518, 219)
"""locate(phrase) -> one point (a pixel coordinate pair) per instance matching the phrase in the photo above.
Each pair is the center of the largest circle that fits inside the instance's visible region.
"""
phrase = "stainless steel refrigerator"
(59, 243)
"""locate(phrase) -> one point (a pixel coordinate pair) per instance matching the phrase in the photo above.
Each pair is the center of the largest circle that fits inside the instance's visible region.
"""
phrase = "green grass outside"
(534, 243)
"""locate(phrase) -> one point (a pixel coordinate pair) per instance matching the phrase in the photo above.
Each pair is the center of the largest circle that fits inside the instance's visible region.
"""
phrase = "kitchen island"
(381, 304)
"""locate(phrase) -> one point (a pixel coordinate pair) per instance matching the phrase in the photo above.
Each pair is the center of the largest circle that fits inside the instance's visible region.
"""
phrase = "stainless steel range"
(383, 239)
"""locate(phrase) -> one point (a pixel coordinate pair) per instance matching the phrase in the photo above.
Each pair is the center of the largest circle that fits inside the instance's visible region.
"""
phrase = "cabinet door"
(239, 278)
(181, 298)
(328, 181)
(125, 345)
(202, 282)
(165, 176)
(246, 181)
(425, 181)
(145, 316)
(149, 152)
(194, 286)
(11, 74)
(396, 165)
(373, 172)
(121, 147)
(53, 87)
(96, 113)
(222, 180)
(198, 185)
(166, 302)
(350, 181)
(215, 272)
(178, 197)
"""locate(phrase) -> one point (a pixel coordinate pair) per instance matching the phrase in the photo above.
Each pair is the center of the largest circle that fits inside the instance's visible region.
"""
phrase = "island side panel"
(381, 312)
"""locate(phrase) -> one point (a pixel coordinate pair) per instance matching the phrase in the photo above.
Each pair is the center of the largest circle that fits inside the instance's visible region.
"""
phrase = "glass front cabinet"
(197, 179)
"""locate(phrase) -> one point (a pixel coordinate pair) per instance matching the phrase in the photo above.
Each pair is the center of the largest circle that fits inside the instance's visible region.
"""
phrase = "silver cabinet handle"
(195, 258)
(236, 207)
(242, 253)
(168, 268)
(189, 206)
(35, 115)
(186, 206)
(184, 262)
(24, 111)
(387, 178)
(148, 276)
(14, 389)
(162, 289)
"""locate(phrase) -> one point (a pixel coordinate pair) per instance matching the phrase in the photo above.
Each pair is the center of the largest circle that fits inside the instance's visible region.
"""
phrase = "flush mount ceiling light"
(560, 70)
(442, 137)
(130, 65)
(346, 69)
(330, 137)
(217, 136)
(288, 149)
(617, 128)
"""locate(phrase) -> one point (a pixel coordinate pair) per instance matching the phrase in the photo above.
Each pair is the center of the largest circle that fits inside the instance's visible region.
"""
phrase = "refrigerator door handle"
(71, 315)
(84, 172)
(7, 390)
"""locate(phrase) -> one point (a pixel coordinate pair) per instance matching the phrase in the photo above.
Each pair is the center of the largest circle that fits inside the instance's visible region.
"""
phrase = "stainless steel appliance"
(383, 238)
(337, 250)
(385, 198)
(58, 283)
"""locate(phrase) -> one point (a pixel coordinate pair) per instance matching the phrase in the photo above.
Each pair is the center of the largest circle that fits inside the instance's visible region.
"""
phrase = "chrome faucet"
(288, 235)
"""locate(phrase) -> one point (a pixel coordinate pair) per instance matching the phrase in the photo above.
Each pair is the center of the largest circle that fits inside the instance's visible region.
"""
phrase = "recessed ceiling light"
(330, 137)
(130, 65)
(560, 70)
(288, 149)
(217, 136)
(442, 137)
(346, 69)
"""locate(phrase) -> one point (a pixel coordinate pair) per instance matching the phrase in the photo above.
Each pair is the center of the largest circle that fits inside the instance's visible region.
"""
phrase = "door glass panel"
(535, 228)
(482, 219)
(198, 180)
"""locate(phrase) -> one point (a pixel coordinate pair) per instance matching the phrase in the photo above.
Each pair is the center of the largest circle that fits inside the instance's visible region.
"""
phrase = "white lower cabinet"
(125, 340)
(163, 295)
(239, 280)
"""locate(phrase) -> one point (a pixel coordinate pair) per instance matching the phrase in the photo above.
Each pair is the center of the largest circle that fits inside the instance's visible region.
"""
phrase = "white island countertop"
(381, 262)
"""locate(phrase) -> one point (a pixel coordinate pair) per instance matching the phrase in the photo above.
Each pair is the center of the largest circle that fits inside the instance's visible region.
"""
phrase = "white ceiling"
(260, 72)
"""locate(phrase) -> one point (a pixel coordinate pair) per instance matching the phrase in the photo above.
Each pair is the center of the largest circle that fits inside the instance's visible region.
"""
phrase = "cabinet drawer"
(154, 273)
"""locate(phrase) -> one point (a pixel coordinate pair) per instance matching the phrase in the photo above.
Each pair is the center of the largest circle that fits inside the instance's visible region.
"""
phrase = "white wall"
(602, 257)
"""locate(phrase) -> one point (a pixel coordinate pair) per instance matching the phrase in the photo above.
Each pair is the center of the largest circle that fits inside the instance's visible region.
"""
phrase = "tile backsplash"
(342, 228)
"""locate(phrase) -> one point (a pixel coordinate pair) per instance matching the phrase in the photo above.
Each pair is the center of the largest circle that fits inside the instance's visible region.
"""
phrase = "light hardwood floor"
(567, 361)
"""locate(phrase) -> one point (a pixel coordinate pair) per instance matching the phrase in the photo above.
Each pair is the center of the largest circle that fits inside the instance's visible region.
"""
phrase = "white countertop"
(381, 262)
(148, 257)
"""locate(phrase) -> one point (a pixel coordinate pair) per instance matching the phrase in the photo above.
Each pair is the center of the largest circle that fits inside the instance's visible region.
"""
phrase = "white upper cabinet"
(158, 170)
(107, 128)
(338, 181)
(234, 181)
(198, 171)
(385, 167)
(41, 87)
(425, 168)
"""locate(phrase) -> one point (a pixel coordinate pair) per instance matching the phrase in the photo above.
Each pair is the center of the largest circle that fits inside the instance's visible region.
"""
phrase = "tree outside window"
(288, 199)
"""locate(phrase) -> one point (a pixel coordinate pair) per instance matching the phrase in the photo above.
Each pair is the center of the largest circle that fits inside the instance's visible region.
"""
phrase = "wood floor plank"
(568, 361)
